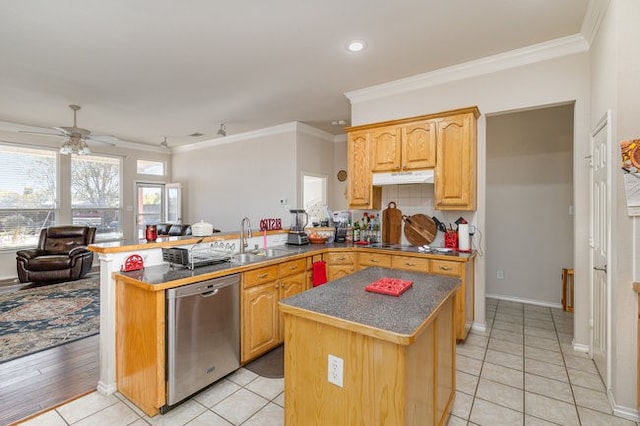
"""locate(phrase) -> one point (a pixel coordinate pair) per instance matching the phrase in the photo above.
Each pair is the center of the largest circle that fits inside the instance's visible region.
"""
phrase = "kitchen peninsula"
(136, 299)
(356, 357)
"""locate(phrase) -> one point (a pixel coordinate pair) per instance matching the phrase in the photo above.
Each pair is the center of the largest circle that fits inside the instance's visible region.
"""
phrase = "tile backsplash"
(413, 199)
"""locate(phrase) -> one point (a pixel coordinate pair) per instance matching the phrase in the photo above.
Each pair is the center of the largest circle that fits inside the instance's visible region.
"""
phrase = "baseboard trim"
(523, 300)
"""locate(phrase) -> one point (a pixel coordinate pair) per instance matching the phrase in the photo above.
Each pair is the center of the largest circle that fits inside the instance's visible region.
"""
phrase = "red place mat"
(390, 286)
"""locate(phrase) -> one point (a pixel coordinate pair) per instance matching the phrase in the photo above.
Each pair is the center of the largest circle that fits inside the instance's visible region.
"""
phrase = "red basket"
(390, 286)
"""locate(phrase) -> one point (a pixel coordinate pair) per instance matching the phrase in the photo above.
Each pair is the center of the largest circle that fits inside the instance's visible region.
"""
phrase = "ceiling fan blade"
(66, 131)
(105, 139)
(41, 133)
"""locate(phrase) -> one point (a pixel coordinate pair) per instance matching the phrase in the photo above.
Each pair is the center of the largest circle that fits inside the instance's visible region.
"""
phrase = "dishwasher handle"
(210, 293)
(204, 288)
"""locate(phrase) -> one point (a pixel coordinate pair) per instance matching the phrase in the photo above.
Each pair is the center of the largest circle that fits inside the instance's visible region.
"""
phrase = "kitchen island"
(393, 358)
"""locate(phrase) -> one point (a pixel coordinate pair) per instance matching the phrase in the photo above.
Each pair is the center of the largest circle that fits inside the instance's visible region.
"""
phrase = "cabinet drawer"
(374, 259)
(293, 267)
(443, 267)
(259, 276)
(410, 263)
(341, 258)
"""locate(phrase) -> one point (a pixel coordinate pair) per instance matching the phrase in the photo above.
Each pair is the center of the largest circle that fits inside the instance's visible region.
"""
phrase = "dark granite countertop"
(162, 276)
(345, 299)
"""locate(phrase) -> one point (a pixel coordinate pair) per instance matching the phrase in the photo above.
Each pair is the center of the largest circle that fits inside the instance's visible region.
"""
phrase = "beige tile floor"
(523, 370)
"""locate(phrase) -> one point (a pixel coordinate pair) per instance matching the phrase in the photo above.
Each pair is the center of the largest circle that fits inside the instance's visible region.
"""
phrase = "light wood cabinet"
(362, 195)
(465, 295)
(409, 263)
(259, 312)
(455, 171)
(340, 264)
(366, 259)
(292, 281)
(263, 288)
(406, 147)
(444, 141)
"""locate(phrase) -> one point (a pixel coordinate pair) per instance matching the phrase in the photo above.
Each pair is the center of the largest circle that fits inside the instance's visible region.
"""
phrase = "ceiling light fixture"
(221, 130)
(164, 143)
(356, 46)
(75, 145)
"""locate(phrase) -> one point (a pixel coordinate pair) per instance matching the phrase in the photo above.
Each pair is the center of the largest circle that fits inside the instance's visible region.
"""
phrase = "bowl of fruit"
(317, 238)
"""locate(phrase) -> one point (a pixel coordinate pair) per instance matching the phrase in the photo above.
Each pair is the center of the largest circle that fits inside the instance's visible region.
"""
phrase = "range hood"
(398, 178)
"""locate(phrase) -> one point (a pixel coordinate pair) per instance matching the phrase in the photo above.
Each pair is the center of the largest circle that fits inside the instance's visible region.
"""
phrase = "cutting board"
(391, 224)
(419, 229)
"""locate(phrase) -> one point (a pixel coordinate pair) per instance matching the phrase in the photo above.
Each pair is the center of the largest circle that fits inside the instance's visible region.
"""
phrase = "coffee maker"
(341, 220)
(297, 235)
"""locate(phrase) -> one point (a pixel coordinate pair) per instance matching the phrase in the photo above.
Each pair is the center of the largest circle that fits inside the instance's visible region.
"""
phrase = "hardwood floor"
(46, 379)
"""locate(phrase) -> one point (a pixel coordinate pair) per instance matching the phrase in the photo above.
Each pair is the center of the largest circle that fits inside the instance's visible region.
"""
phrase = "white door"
(600, 247)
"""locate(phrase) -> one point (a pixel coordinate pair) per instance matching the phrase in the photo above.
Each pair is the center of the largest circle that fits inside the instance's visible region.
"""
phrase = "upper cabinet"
(455, 174)
(362, 195)
(404, 147)
(445, 142)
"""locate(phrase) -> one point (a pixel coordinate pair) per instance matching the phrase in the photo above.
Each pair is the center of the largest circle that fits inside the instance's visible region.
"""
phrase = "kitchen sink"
(244, 258)
(271, 252)
(259, 255)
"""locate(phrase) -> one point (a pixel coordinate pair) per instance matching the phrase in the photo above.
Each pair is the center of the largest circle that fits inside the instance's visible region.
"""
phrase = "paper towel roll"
(464, 243)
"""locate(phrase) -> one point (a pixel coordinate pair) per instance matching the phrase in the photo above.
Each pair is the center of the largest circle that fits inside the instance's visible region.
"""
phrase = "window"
(27, 194)
(148, 167)
(314, 196)
(95, 194)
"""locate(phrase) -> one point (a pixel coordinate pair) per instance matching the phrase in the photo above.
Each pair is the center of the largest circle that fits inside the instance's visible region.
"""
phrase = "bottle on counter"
(356, 231)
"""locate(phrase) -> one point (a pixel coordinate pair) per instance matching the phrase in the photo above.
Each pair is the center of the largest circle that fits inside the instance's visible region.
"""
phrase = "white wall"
(615, 67)
(529, 195)
(248, 174)
(555, 81)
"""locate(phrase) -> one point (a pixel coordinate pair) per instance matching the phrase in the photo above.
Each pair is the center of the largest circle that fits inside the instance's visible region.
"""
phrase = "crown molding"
(535, 53)
(596, 9)
(290, 127)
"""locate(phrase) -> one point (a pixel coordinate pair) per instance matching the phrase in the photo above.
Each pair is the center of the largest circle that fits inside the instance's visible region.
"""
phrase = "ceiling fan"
(76, 137)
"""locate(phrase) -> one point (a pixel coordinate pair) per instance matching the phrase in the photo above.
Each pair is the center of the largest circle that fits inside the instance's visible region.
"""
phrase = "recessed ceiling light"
(356, 45)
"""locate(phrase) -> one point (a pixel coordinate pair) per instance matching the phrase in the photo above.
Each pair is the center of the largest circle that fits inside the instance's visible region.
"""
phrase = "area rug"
(270, 365)
(44, 317)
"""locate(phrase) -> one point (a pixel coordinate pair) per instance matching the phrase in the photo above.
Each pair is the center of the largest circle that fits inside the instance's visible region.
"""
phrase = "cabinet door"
(289, 286)
(260, 325)
(386, 147)
(419, 145)
(362, 195)
(455, 172)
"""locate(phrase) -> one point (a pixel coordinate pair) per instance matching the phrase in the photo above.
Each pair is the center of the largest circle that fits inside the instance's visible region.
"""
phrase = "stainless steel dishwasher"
(203, 335)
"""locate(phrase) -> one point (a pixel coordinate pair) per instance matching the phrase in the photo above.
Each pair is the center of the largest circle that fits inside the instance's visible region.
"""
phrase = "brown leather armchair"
(61, 255)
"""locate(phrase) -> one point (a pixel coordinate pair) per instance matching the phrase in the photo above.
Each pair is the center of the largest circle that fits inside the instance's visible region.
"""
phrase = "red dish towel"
(319, 275)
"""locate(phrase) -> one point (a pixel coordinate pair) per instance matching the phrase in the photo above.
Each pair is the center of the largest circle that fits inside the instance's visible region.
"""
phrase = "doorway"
(529, 195)
(156, 203)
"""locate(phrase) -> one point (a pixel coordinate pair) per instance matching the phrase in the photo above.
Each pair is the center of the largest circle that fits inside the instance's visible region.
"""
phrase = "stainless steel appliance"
(297, 235)
(341, 220)
(203, 335)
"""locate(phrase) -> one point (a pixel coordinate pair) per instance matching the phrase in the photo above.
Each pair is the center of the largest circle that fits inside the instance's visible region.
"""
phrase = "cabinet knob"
(373, 260)
(293, 268)
(445, 268)
(410, 264)
(262, 275)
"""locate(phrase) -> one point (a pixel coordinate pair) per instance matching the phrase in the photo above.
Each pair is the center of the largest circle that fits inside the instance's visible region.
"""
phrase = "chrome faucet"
(244, 236)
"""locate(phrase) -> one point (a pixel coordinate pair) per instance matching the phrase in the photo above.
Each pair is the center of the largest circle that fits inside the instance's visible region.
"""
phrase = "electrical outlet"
(335, 370)
(500, 274)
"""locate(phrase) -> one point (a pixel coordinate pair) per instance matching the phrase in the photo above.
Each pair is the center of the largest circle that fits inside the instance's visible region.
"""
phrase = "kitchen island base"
(385, 380)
